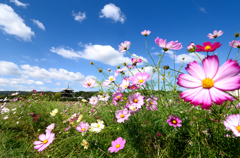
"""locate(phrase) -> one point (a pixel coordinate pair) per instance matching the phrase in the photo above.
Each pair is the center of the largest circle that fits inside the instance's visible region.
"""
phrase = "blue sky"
(46, 44)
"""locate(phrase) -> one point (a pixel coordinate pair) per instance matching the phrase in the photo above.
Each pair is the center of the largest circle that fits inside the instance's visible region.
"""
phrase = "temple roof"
(68, 89)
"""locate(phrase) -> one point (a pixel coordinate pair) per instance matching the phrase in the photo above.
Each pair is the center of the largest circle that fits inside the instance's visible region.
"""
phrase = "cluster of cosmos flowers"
(206, 84)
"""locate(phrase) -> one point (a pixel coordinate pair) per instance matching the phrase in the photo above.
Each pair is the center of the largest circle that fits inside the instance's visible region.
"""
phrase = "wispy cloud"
(39, 24)
(202, 9)
(113, 12)
(11, 23)
(79, 16)
(19, 4)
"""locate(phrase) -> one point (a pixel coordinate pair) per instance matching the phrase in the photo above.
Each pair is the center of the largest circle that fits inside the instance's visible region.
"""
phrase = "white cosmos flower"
(6, 117)
(97, 127)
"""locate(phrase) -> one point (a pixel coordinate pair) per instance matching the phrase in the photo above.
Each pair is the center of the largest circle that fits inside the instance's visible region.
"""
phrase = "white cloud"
(47, 75)
(9, 68)
(190, 57)
(102, 53)
(113, 12)
(80, 44)
(39, 24)
(153, 48)
(58, 83)
(79, 16)
(202, 9)
(16, 81)
(25, 56)
(19, 4)
(12, 24)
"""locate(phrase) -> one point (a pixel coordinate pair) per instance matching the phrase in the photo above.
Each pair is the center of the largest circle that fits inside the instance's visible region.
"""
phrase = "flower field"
(134, 120)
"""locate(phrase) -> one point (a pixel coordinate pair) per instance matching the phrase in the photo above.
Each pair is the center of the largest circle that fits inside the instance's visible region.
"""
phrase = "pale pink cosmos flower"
(13, 94)
(117, 145)
(215, 34)
(66, 129)
(174, 121)
(208, 84)
(191, 48)
(136, 99)
(82, 127)
(140, 78)
(235, 44)
(233, 123)
(45, 141)
(124, 46)
(152, 103)
(145, 32)
(120, 70)
(89, 83)
(132, 108)
(104, 97)
(93, 100)
(50, 127)
(170, 45)
(130, 66)
(122, 115)
(110, 79)
(124, 84)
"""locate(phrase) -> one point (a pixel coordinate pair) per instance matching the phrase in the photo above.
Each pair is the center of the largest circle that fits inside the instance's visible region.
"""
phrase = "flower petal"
(228, 84)
(187, 81)
(42, 148)
(42, 137)
(38, 143)
(219, 96)
(210, 66)
(38, 146)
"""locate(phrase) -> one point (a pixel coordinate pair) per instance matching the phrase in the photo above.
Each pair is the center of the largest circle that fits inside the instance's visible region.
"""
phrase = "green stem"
(231, 48)
(148, 51)
(198, 56)
(237, 54)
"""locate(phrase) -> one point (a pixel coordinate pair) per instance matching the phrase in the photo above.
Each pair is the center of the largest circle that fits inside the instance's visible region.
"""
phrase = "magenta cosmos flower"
(145, 32)
(140, 78)
(235, 44)
(89, 83)
(124, 46)
(122, 115)
(215, 34)
(82, 127)
(170, 45)
(174, 121)
(233, 123)
(136, 60)
(136, 99)
(208, 47)
(118, 144)
(45, 141)
(208, 84)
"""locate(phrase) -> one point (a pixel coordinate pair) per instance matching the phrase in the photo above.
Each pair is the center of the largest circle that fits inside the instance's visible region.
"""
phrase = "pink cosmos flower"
(132, 108)
(82, 127)
(124, 46)
(124, 84)
(118, 144)
(208, 84)
(238, 105)
(170, 45)
(191, 48)
(145, 32)
(66, 129)
(45, 141)
(13, 94)
(208, 47)
(130, 66)
(215, 34)
(122, 115)
(50, 127)
(120, 70)
(235, 44)
(152, 103)
(35, 91)
(140, 78)
(89, 83)
(174, 121)
(93, 100)
(233, 123)
(136, 99)
(110, 79)
(136, 60)
(133, 87)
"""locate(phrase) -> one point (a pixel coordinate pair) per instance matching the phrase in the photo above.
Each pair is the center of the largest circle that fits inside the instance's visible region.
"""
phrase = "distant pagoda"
(67, 93)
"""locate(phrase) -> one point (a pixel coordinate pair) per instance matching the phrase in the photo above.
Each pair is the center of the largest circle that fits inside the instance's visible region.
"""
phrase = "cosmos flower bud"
(183, 58)
(191, 48)
(166, 67)
(100, 70)
(118, 67)
(142, 67)
(236, 34)
(124, 64)
(91, 63)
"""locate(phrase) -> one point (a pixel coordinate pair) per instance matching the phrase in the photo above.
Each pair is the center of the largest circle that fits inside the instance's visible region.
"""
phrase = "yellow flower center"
(174, 121)
(111, 79)
(238, 128)
(98, 126)
(207, 83)
(93, 99)
(89, 84)
(118, 96)
(54, 113)
(125, 86)
(135, 100)
(122, 116)
(133, 108)
(151, 103)
(45, 141)
(140, 81)
(83, 129)
(118, 145)
(72, 123)
(103, 96)
(136, 60)
(207, 48)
